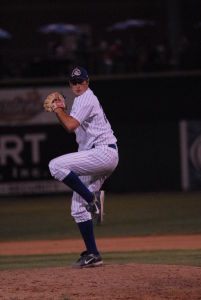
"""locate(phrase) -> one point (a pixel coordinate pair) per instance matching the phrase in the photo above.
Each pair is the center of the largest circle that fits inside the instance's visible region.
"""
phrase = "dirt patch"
(104, 244)
(136, 282)
(109, 282)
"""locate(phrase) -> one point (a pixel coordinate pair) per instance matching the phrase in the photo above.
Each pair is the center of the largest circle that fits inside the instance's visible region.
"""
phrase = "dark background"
(176, 28)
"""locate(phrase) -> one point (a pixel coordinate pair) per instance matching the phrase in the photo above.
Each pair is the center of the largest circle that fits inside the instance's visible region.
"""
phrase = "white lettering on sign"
(11, 146)
(13, 150)
(35, 140)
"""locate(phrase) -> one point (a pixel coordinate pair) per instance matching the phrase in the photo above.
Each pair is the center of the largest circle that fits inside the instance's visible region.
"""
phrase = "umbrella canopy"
(129, 24)
(4, 34)
(60, 28)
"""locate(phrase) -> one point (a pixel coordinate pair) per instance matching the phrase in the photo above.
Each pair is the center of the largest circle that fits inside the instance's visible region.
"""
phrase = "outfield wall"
(145, 113)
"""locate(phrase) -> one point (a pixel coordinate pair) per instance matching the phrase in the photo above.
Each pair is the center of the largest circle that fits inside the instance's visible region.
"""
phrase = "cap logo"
(76, 72)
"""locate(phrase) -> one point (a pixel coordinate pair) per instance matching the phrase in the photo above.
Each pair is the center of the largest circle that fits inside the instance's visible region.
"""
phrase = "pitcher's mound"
(108, 282)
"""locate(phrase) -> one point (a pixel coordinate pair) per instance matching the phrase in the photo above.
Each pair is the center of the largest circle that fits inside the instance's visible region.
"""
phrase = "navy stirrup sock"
(73, 181)
(87, 232)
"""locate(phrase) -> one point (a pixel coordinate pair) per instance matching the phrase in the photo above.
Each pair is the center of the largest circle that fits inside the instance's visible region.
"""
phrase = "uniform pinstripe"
(95, 128)
(94, 161)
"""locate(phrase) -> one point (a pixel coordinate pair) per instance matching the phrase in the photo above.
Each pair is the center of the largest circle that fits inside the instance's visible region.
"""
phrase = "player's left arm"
(68, 122)
(55, 102)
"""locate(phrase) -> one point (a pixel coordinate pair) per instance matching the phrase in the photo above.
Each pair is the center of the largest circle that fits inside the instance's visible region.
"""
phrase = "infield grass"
(48, 217)
(168, 257)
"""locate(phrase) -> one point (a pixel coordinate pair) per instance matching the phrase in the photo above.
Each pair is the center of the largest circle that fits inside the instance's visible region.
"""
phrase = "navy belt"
(114, 146)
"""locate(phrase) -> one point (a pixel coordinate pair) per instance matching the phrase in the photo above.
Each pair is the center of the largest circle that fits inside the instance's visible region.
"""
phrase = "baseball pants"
(92, 166)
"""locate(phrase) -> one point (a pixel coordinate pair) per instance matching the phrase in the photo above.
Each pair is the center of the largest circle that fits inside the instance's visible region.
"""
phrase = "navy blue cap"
(78, 73)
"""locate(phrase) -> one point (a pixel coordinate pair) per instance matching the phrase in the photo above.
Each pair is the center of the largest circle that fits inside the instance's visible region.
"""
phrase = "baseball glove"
(53, 101)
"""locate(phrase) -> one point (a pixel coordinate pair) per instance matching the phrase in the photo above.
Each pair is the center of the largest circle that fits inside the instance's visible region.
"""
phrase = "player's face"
(78, 88)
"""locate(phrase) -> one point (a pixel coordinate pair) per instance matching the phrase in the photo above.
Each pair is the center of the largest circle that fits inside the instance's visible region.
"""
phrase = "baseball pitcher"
(86, 170)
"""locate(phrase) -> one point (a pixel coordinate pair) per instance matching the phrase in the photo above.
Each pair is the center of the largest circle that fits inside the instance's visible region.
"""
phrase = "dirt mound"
(131, 281)
(109, 282)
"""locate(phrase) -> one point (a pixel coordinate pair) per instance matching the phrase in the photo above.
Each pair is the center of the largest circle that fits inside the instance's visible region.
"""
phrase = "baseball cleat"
(88, 260)
(96, 207)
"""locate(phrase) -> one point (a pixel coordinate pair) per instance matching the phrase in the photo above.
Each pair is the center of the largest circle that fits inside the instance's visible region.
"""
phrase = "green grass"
(170, 257)
(48, 217)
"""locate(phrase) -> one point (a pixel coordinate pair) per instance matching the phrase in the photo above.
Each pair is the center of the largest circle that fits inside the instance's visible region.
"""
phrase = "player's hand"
(53, 101)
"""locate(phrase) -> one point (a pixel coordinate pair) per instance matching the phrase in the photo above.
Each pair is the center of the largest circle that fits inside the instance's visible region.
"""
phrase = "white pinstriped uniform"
(92, 165)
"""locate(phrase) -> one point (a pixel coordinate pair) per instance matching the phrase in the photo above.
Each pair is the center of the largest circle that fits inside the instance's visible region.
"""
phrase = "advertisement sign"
(190, 133)
(29, 139)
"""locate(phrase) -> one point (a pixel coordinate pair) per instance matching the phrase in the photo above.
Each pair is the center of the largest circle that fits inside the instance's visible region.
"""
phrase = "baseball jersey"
(94, 129)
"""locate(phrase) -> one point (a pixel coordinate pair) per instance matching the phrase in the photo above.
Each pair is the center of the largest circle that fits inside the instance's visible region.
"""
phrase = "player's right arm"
(68, 122)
